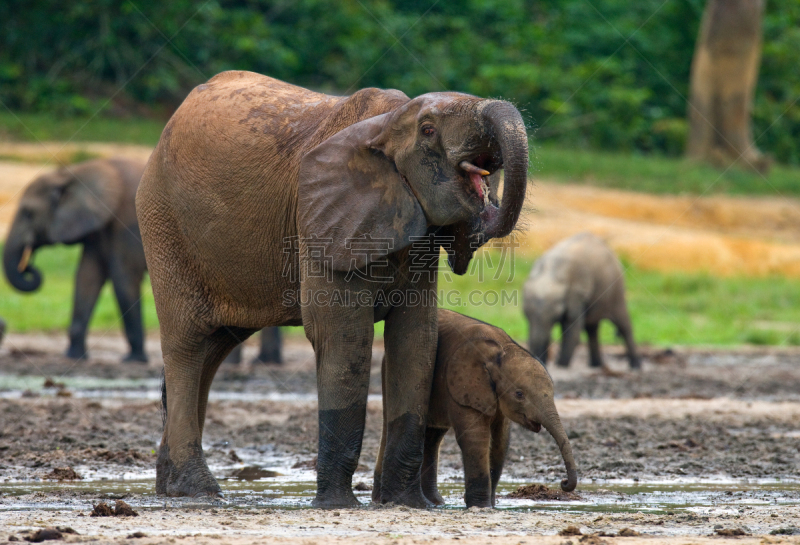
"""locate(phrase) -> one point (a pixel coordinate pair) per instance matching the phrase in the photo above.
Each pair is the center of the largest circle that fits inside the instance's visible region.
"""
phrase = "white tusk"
(26, 257)
(469, 167)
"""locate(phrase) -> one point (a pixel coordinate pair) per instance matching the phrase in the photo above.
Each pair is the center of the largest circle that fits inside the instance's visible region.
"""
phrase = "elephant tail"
(163, 398)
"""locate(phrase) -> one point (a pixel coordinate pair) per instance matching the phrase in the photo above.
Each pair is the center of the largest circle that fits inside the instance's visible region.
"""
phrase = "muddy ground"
(690, 416)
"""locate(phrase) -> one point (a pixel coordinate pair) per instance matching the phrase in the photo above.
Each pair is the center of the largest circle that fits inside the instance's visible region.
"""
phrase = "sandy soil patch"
(720, 235)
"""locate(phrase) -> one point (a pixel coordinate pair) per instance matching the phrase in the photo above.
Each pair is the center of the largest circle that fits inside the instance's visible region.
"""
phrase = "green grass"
(50, 308)
(35, 127)
(657, 174)
(667, 309)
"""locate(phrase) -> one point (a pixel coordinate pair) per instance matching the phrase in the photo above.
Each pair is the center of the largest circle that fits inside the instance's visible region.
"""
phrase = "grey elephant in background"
(92, 204)
(268, 352)
(577, 283)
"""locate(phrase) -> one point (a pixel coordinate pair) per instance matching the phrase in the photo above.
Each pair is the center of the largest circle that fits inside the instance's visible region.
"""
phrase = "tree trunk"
(723, 80)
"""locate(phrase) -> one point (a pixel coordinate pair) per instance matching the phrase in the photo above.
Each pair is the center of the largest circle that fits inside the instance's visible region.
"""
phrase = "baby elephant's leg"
(497, 456)
(430, 465)
(474, 439)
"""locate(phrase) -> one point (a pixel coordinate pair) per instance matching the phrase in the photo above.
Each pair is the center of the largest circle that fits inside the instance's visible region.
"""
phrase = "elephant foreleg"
(376, 479)
(410, 336)
(430, 464)
(474, 438)
(127, 284)
(342, 341)
(92, 274)
(497, 456)
(595, 356)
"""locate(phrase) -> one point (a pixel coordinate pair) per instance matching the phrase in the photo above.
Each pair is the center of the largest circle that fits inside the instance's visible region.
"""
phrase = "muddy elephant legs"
(595, 356)
(342, 341)
(623, 323)
(127, 289)
(92, 274)
(410, 339)
(571, 329)
(189, 368)
(430, 465)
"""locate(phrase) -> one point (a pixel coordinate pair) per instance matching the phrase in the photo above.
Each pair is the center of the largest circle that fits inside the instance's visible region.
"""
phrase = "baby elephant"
(577, 283)
(482, 378)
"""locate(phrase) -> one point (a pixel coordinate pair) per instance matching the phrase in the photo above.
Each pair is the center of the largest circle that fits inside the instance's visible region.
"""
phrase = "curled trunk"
(505, 122)
(556, 429)
(27, 279)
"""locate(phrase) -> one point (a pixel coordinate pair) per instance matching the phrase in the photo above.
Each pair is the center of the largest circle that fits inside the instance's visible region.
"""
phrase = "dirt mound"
(542, 493)
(252, 473)
(120, 509)
(63, 474)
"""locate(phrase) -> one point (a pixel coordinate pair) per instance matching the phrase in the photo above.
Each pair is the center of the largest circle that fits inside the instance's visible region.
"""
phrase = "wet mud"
(723, 423)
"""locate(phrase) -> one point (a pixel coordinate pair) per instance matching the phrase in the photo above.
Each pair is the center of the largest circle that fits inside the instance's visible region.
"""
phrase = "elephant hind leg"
(595, 356)
(189, 369)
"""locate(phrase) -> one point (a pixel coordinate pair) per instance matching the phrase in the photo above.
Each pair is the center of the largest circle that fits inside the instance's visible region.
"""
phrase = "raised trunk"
(29, 279)
(506, 124)
(553, 425)
(723, 80)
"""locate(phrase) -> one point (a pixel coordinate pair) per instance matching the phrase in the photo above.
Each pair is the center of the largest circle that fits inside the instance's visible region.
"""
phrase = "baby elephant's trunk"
(556, 429)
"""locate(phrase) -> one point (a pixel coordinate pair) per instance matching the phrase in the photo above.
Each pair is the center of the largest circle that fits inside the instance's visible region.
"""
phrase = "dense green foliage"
(608, 73)
(667, 309)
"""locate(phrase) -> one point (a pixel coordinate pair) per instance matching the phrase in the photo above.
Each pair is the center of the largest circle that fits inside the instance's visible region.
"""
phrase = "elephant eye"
(519, 395)
(428, 130)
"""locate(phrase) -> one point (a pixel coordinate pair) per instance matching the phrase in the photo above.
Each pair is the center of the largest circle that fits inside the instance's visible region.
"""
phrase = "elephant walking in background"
(92, 204)
(482, 381)
(266, 204)
(577, 283)
(269, 351)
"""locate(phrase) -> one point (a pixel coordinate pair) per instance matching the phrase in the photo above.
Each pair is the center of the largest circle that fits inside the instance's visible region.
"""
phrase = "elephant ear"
(468, 379)
(88, 201)
(349, 189)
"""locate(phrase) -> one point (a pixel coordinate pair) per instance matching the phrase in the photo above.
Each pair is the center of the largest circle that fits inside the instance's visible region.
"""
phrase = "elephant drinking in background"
(266, 204)
(577, 283)
(92, 204)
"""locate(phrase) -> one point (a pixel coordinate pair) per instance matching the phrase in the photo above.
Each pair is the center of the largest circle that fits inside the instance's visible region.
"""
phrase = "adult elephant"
(92, 204)
(267, 204)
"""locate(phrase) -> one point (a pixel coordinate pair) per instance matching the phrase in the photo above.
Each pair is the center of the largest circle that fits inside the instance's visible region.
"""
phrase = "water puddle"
(286, 491)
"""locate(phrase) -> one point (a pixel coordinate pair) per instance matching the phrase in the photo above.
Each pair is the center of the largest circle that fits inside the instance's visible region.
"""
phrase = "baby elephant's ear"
(348, 189)
(468, 380)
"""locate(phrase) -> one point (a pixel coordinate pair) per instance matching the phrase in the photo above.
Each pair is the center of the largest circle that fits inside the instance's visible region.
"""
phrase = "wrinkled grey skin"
(269, 349)
(251, 177)
(577, 283)
(91, 204)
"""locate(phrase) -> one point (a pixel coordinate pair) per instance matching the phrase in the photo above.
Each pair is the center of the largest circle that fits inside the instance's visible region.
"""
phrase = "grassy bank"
(667, 309)
(658, 174)
(40, 127)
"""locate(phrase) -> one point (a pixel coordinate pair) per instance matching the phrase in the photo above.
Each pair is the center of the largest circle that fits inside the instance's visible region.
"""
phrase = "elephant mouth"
(535, 427)
(476, 171)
